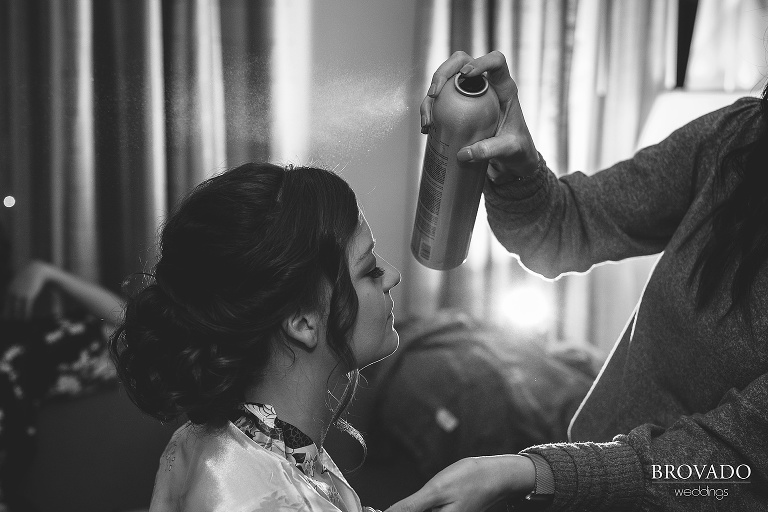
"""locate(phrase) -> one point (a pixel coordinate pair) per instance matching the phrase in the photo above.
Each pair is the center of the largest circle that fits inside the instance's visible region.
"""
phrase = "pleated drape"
(587, 73)
(15, 123)
(131, 120)
(194, 93)
(246, 66)
(71, 135)
(114, 109)
(50, 129)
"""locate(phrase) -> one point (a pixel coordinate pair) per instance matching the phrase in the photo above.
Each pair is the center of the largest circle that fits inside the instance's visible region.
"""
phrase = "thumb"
(486, 149)
(417, 502)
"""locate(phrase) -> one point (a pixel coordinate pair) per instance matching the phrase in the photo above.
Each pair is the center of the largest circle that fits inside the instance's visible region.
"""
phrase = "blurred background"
(112, 110)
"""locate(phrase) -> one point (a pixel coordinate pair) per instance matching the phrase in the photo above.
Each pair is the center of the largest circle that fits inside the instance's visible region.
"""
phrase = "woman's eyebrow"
(368, 251)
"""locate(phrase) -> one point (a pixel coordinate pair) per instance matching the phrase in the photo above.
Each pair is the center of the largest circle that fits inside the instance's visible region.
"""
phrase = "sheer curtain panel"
(114, 109)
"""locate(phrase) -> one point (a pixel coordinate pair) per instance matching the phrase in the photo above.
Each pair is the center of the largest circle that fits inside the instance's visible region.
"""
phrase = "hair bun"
(169, 360)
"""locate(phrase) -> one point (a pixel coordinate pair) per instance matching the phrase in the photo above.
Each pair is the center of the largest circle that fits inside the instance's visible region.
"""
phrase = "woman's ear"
(303, 327)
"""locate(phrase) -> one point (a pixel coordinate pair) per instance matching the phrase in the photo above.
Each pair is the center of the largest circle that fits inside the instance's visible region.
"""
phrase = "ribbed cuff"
(545, 480)
(594, 476)
(519, 195)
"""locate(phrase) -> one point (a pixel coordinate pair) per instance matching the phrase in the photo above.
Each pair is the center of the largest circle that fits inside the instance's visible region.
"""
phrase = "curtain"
(587, 72)
(728, 51)
(112, 110)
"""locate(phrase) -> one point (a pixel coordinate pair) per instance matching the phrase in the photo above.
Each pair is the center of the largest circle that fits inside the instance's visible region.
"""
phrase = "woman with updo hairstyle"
(267, 293)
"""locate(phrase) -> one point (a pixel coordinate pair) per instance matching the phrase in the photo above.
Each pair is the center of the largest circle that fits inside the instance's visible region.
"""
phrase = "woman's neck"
(299, 396)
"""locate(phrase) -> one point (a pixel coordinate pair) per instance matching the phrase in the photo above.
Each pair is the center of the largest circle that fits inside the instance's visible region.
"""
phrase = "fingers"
(17, 308)
(7, 312)
(440, 77)
(426, 114)
(494, 63)
(417, 502)
(20, 308)
(25, 308)
(446, 70)
(501, 146)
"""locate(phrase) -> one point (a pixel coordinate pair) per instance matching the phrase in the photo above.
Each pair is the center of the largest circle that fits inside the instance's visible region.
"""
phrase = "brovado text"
(700, 472)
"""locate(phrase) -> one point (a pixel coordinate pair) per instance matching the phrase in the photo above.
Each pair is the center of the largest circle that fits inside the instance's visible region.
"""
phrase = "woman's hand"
(473, 484)
(511, 151)
(24, 289)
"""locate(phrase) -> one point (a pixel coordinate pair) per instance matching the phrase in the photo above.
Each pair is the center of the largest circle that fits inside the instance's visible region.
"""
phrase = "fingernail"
(464, 155)
(423, 121)
(468, 68)
(432, 89)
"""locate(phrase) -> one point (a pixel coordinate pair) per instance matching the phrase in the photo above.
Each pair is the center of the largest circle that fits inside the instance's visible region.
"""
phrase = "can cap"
(471, 85)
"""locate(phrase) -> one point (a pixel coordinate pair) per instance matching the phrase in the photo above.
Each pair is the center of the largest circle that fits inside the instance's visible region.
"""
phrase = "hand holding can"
(510, 151)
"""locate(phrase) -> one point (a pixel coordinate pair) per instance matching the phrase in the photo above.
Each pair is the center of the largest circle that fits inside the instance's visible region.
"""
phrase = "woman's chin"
(395, 337)
(391, 344)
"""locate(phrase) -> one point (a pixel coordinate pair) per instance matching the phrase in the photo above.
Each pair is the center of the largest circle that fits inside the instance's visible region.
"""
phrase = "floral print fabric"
(42, 360)
(260, 423)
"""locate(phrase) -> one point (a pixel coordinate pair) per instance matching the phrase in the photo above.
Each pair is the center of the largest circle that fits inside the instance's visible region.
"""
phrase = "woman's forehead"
(362, 242)
(363, 227)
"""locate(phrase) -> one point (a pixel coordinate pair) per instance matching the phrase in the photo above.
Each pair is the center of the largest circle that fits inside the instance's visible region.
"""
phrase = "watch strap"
(543, 491)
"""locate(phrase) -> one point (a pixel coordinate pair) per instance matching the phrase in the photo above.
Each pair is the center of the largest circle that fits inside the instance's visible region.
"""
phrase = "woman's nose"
(393, 276)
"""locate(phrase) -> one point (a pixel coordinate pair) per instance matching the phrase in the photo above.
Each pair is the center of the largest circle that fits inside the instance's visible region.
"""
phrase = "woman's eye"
(376, 273)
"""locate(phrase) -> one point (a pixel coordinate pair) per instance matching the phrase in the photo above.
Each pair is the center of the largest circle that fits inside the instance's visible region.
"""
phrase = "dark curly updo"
(243, 251)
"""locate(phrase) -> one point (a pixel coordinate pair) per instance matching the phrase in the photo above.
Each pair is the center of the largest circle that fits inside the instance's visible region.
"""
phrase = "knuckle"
(501, 58)
(481, 149)
(439, 488)
(404, 507)
(516, 144)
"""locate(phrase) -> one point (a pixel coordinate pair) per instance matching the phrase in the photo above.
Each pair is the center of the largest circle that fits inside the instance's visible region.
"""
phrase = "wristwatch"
(543, 490)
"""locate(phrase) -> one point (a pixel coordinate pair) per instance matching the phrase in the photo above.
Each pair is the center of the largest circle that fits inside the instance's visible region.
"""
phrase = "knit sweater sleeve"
(630, 472)
(633, 208)
(629, 209)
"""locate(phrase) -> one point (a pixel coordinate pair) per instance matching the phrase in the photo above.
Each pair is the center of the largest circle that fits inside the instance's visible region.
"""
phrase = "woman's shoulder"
(212, 446)
(203, 464)
(748, 108)
(206, 468)
(740, 118)
(748, 102)
(740, 124)
(717, 132)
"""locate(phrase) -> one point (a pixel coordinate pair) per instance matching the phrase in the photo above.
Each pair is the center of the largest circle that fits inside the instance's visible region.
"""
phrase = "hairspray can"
(463, 113)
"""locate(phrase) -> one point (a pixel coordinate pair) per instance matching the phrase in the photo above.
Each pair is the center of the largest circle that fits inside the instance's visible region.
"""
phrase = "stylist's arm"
(473, 484)
(511, 151)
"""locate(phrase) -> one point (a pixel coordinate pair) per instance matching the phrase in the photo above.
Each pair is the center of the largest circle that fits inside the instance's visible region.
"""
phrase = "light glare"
(527, 307)
(9, 201)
